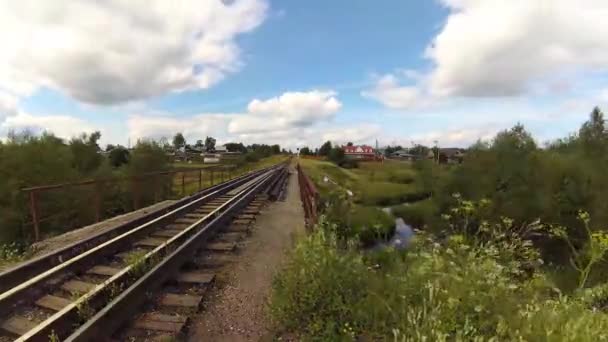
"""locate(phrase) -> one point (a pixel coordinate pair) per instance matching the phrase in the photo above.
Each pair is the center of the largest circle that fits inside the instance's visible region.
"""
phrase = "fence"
(309, 196)
(93, 200)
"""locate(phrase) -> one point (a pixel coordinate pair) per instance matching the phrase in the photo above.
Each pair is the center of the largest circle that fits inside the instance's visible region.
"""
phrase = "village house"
(450, 155)
(362, 152)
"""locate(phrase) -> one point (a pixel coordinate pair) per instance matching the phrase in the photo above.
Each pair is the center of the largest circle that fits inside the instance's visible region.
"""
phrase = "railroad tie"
(180, 226)
(181, 300)
(161, 322)
(186, 220)
(238, 228)
(230, 237)
(53, 302)
(221, 246)
(167, 233)
(150, 242)
(196, 216)
(77, 286)
(103, 270)
(214, 261)
(195, 277)
(245, 217)
(18, 325)
(241, 222)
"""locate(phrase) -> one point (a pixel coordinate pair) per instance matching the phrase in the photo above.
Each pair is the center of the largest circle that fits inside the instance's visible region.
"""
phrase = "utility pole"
(437, 150)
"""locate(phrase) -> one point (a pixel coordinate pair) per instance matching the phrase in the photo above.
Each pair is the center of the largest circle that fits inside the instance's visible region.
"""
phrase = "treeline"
(526, 182)
(27, 160)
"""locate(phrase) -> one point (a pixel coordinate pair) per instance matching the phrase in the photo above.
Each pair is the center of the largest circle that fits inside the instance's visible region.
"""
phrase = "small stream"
(403, 232)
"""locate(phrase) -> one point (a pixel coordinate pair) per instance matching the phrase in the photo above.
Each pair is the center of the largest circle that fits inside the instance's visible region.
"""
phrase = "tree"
(209, 144)
(349, 143)
(593, 134)
(325, 149)
(118, 156)
(179, 141)
(305, 151)
(110, 147)
(85, 152)
(276, 149)
(199, 144)
(336, 155)
(236, 147)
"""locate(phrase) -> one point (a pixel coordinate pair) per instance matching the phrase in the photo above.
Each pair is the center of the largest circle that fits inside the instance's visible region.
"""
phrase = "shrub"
(417, 214)
(371, 224)
(435, 292)
(479, 284)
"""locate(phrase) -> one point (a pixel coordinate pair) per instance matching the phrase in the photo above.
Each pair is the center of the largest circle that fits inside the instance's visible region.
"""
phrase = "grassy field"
(373, 184)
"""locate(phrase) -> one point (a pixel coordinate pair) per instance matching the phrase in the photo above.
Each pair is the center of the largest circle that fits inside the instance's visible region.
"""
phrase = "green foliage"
(27, 160)
(305, 151)
(387, 194)
(84, 149)
(336, 155)
(210, 144)
(460, 288)
(417, 214)
(325, 149)
(179, 141)
(371, 224)
(118, 156)
(585, 258)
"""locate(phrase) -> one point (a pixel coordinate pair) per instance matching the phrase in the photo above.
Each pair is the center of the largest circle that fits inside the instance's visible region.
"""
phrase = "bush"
(453, 290)
(417, 214)
(371, 224)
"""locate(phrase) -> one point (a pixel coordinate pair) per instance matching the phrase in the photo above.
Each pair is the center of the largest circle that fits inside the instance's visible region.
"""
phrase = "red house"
(362, 152)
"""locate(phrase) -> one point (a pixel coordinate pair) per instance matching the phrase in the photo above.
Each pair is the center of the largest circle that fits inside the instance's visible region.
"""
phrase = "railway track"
(87, 291)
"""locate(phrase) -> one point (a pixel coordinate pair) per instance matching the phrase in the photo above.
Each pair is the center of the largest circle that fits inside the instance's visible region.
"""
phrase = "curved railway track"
(86, 291)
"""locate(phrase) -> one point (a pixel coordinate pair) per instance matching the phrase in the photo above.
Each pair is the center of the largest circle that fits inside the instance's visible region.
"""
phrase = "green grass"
(373, 184)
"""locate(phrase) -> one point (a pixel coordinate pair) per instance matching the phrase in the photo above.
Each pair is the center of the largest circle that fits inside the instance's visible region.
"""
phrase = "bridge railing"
(94, 200)
(309, 196)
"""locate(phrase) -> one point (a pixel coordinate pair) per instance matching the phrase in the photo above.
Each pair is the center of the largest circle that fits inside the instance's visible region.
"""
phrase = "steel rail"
(177, 250)
(17, 294)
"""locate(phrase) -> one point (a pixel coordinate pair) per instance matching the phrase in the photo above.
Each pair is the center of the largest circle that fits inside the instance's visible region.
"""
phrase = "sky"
(298, 73)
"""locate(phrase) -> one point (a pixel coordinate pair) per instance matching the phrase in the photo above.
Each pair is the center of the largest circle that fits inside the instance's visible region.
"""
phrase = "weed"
(584, 259)
(83, 308)
(53, 337)
(136, 259)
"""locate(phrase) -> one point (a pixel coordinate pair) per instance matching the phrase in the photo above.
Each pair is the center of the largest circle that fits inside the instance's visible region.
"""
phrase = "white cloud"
(361, 133)
(291, 109)
(497, 47)
(117, 51)
(62, 126)
(293, 119)
(8, 106)
(458, 137)
(391, 94)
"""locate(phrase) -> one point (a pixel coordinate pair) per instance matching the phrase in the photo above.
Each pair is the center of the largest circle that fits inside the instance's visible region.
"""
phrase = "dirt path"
(237, 311)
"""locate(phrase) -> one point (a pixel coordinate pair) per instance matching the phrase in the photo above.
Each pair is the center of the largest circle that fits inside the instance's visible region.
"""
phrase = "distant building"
(403, 155)
(452, 155)
(449, 155)
(362, 152)
(221, 149)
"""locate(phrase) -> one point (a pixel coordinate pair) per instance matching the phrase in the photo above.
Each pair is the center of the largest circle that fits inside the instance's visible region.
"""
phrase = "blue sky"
(302, 72)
